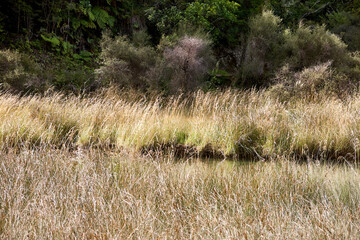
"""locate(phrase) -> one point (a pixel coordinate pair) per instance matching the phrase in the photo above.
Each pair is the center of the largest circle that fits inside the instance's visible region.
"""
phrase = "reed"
(92, 195)
(228, 124)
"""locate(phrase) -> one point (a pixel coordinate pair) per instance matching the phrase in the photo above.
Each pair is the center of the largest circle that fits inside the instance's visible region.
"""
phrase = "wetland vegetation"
(186, 119)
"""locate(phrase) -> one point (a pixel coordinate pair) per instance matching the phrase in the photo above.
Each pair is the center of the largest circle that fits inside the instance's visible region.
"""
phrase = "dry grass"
(59, 195)
(234, 124)
(55, 183)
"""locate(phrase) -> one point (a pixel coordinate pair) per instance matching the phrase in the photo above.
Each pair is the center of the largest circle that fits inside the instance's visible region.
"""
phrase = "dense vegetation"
(182, 45)
(179, 119)
(92, 167)
(89, 195)
(234, 125)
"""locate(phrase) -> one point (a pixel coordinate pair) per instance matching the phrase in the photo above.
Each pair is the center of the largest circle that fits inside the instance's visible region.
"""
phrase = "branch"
(317, 10)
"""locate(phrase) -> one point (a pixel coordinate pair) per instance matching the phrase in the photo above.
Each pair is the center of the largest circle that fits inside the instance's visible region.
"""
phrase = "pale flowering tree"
(190, 61)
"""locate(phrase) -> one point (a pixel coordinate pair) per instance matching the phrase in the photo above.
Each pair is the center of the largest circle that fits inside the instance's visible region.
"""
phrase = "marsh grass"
(231, 124)
(93, 167)
(92, 195)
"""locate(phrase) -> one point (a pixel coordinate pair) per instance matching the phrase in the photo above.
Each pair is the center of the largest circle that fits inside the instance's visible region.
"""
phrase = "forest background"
(179, 45)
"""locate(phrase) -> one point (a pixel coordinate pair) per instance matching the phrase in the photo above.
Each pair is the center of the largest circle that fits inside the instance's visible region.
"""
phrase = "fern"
(102, 18)
(55, 41)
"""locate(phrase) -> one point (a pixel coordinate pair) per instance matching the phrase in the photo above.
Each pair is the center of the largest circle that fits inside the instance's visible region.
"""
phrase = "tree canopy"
(69, 32)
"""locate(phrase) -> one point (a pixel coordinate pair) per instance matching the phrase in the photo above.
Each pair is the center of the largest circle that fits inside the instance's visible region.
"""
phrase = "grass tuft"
(235, 124)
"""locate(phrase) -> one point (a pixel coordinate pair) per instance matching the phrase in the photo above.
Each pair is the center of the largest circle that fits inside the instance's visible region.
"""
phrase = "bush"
(312, 46)
(73, 80)
(186, 65)
(347, 26)
(264, 50)
(223, 19)
(125, 64)
(18, 72)
(311, 83)
(269, 48)
(141, 38)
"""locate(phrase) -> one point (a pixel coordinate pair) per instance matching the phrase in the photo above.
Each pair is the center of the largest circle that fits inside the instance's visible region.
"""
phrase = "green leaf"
(102, 18)
(75, 23)
(53, 40)
(91, 16)
(67, 47)
(87, 24)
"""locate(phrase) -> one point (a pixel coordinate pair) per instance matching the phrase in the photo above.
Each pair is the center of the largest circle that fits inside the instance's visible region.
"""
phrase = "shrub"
(264, 50)
(141, 38)
(347, 26)
(18, 72)
(311, 46)
(269, 48)
(187, 64)
(73, 80)
(221, 18)
(123, 63)
(311, 83)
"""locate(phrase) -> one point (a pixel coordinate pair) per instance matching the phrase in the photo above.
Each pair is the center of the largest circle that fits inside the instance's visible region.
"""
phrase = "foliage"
(58, 44)
(295, 11)
(248, 44)
(74, 25)
(219, 79)
(123, 63)
(311, 83)
(219, 18)
(73, 80)
(18, 72)
(185, 65)
(165, 16)
(225, 20)
(310, 46)
(347, 26)
(269, 47)
(264, 51)
(83, 56)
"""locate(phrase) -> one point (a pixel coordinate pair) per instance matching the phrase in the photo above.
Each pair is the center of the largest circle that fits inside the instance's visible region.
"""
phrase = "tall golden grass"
(89, 195)
(231, 123)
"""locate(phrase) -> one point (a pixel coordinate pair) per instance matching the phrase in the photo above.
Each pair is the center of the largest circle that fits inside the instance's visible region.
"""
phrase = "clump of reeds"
(229, 124)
